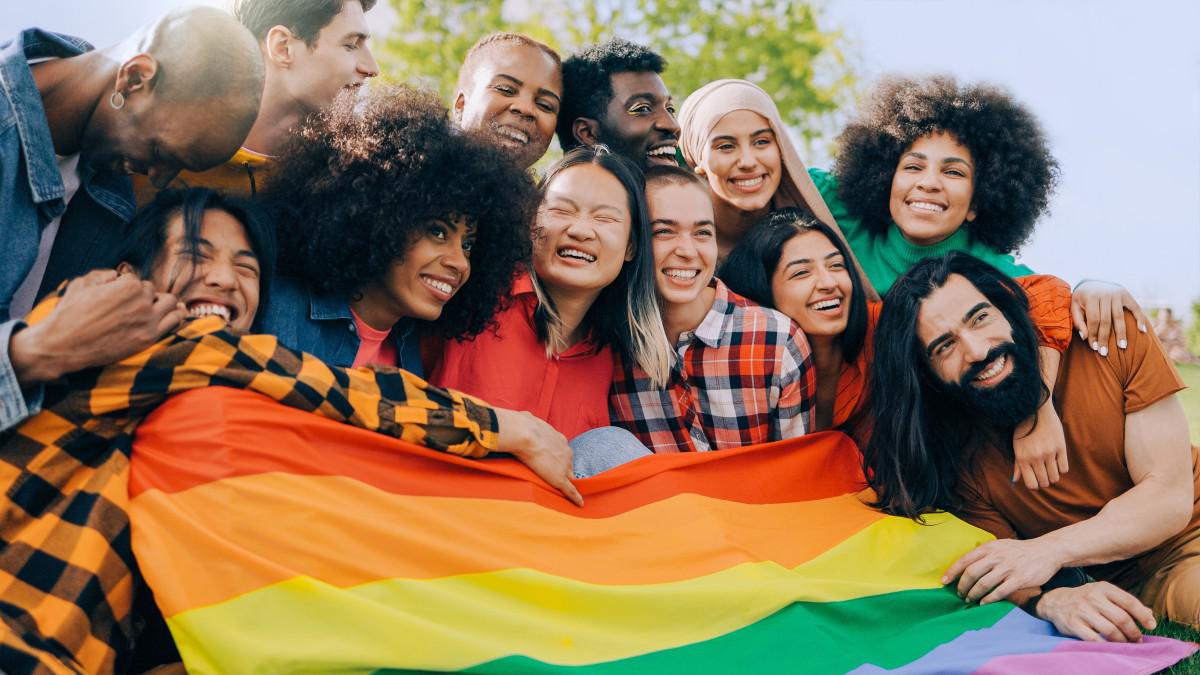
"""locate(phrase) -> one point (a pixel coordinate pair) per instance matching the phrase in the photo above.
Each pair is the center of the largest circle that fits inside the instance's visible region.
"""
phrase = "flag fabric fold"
(278, 541)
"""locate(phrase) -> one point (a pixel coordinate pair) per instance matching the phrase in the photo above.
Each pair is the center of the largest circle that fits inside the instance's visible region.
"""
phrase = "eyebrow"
(357, 35)
(201, 241)
(673, 222)
(946, 336)
(802, 261)
(948, 160)
(649, 97)
(728, 137)
(541, 90)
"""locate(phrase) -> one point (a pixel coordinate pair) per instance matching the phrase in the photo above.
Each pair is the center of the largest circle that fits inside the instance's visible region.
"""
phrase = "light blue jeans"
(599, 450)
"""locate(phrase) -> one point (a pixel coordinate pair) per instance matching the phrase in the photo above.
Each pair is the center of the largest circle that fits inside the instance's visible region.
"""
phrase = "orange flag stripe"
(215, 433)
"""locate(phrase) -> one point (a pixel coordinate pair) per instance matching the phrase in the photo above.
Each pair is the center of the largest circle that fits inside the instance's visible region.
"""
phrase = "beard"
(1013, 400)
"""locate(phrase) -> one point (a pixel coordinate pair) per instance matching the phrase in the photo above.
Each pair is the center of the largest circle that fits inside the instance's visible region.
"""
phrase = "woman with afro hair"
(931, 166)
(380, 205)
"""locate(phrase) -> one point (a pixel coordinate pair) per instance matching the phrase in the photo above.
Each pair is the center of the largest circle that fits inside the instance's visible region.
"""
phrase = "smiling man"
(179, 93)
(956, 370)
(313, 50)
(510, 88)
(742, 373)
(614, 95)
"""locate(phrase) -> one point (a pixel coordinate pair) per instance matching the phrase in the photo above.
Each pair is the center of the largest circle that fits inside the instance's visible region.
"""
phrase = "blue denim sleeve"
(15, 405)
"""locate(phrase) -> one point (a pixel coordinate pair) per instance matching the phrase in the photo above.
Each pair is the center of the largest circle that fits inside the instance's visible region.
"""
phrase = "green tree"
(778, 45)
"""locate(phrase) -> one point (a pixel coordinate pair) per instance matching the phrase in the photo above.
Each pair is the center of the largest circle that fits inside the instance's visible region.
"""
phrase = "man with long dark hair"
(956, 370)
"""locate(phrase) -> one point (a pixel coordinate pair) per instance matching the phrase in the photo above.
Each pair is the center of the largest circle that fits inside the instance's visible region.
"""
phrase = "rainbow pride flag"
(276, 541)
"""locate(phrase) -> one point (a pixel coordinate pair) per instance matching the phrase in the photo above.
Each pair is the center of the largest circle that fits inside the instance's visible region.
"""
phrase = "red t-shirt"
(508, 368)
(374, 347)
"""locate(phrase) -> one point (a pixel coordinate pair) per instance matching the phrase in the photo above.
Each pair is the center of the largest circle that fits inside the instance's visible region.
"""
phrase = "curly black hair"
(1014, 170)
(357, 185)
(587, 81)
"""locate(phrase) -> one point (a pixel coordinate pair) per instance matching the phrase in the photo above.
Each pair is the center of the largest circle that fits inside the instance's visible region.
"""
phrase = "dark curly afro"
(358, 184)
(1014, 170)
(587, 81)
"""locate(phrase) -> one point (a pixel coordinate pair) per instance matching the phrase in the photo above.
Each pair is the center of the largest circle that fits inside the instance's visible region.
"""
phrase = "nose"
(665, 122)
(368, 66)
(824, 278)
(218, 274)
(580, 229)
(522, 104)
(929, 181)
(161, 176)
(457, 261)
(685, 248)
(975, 347)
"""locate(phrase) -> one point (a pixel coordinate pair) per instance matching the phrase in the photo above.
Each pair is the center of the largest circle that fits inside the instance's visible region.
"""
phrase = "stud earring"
(117, 100)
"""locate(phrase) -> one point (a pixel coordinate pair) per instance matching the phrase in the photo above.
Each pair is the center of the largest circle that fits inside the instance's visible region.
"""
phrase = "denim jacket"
(324, 327)
(31, 195)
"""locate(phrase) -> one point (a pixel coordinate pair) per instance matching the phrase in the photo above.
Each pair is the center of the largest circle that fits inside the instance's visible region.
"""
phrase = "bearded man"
(956, 370)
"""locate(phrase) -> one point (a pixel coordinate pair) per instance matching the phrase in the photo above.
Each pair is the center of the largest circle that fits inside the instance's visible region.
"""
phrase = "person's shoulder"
(750, 315)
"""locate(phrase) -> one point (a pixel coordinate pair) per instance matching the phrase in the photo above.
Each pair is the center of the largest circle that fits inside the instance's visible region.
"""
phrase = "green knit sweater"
(884, 258)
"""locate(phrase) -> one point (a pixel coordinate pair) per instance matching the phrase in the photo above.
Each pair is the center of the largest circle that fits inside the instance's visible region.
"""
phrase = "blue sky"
(1116, 85)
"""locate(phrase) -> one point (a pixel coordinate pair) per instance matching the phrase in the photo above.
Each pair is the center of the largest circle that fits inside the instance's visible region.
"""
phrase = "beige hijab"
(705, 108)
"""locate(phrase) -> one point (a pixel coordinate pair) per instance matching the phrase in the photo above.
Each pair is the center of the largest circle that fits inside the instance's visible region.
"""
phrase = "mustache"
(1007, 349)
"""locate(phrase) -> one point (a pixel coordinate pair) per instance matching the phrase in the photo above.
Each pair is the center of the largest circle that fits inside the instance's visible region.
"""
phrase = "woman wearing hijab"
(732, 134)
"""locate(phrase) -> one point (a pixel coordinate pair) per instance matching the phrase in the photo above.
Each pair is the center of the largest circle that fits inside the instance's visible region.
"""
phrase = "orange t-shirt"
(1093, 395)
(508, 368)
(1049, 308)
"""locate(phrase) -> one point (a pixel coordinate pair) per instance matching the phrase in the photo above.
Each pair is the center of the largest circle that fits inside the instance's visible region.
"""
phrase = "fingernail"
(1104, 351)
(1095, 346)
(1142, 327)
(945, 581)
(1082, 335)
(1122, 344)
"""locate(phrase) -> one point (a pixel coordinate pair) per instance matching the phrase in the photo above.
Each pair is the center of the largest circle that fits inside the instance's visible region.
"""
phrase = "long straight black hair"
(752, 263)
(921, 438)
(626, 313)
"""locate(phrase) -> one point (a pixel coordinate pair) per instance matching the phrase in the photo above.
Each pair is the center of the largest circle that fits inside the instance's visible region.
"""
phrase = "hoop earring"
(117, 100)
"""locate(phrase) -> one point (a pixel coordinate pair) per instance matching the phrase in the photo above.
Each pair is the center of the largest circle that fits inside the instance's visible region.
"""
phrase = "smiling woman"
(590, 291)
(930, 166)
(380, 205)
(510, 88)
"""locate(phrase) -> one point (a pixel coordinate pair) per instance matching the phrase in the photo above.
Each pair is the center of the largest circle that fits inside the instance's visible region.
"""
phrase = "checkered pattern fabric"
(67, 574)
(744, 376)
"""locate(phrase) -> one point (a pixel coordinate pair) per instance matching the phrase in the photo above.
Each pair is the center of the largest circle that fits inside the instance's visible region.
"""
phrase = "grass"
(1191, 405)
(1191, 398)
(1190, 665)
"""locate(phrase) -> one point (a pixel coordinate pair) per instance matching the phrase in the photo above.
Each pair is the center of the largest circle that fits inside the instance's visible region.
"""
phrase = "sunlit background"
(1115, 83)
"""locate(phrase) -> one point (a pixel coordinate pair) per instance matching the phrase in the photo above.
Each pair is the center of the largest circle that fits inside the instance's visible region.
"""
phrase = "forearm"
(1143, 517)
(388, 401)
(20, 398)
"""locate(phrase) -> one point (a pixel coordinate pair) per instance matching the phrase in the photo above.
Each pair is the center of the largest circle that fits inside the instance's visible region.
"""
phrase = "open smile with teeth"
(211, 309)
(438, 285)
(510, 134)
(684, 275)
(826, 305)
(749, 182)
(576, 254)
(993, 370)
(664, 151)
(930, 207)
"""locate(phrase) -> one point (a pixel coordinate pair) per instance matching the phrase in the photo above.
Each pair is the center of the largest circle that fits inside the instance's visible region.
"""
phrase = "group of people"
(219, 201)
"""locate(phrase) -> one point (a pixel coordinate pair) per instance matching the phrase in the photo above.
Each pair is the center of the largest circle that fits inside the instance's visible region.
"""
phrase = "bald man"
(180, 93)
(313, 51)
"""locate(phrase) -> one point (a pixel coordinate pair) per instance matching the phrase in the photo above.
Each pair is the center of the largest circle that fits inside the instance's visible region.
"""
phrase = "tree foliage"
(776, 44)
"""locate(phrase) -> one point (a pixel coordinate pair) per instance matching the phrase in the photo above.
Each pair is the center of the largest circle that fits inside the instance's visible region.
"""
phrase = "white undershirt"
(26, 295)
